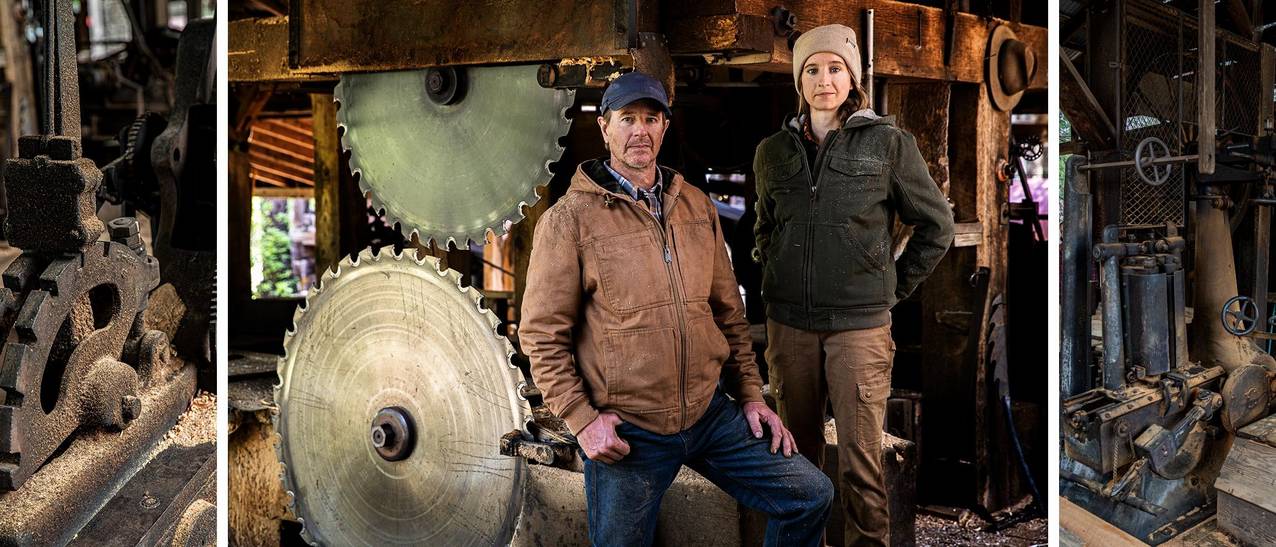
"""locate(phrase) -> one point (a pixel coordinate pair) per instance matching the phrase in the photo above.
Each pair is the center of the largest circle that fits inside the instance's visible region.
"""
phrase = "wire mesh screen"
(1239, 90)
(1160, 100)
(1156, 84)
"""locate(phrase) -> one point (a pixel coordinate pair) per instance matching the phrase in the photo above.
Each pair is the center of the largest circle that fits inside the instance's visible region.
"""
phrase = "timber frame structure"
(723, 60)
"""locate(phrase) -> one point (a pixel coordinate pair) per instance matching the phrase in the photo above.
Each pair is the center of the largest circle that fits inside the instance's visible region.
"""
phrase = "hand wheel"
(1240, 321)
(1145, 154)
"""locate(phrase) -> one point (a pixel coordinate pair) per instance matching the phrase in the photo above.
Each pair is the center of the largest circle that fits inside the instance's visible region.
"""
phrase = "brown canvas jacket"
(625, 314)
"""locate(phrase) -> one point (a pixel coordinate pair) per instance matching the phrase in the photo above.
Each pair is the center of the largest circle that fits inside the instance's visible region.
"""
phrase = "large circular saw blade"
(387, 331)
(452, 172)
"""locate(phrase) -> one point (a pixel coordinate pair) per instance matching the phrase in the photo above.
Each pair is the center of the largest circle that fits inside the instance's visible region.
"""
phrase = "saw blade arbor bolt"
(392, 434)
(445, 85)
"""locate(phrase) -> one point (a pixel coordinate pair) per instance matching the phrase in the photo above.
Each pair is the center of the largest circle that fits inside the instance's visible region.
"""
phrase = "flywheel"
(394, 393)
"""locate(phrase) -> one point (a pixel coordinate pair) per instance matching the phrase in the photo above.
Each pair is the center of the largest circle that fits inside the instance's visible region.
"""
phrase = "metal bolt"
(434, 81)
(130, 408)
(122, 228)
(380, 435)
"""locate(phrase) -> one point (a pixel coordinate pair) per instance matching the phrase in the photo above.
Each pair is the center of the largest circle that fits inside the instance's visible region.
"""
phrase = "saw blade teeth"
(353, 89)
(374, 259)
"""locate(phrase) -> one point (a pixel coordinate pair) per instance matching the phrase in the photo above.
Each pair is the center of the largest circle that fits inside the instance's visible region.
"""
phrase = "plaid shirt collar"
(653, 197)
(629, 187)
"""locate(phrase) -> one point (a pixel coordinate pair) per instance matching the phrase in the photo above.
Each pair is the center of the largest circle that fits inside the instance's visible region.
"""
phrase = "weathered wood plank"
(1247, 486)
(332, 37)
(1091, 530)
(257, 51)
(407, 35)
(909, 37)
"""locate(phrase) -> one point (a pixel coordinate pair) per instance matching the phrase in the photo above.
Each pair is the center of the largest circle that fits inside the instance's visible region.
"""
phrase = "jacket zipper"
(665, 237)
(818, 168)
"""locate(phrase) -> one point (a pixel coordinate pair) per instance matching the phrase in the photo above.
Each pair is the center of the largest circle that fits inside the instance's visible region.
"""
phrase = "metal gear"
(450, 167)
(61, 368)
(394, 392)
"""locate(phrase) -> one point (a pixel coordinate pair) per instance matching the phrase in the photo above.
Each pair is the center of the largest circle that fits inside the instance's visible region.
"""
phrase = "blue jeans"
(624, 498)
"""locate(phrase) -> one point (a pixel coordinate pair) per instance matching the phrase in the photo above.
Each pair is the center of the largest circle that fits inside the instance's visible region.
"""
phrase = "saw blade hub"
(392, 434)
(445, 85)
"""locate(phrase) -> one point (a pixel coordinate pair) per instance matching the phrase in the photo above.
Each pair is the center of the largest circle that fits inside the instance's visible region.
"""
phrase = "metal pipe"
(1078, 233)
(867, 84)
(1113, 335)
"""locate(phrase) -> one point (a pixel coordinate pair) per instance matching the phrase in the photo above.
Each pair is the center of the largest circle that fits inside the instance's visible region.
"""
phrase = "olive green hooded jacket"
(824, 229)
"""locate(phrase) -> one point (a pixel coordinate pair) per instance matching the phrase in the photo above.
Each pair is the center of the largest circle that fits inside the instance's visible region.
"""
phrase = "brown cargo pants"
(852, 368)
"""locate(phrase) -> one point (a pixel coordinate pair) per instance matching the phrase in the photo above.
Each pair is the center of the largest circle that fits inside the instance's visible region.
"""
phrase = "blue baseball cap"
(631, 87)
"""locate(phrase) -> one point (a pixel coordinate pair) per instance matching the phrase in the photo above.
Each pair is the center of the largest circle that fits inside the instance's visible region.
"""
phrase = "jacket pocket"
(853, 184)
(642, 370)
(709, 349)
(632, 272)
(782, 273)
(696, 256)
(845, 273)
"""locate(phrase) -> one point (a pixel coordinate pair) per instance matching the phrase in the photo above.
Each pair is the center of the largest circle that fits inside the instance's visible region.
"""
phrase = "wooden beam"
(280, 147)
(1205, 89)
(297, 170)
(909, 37)
(258, 177)
(278, 173)
(258, 52)
(328, 37)
(327, 161)
(398, 36)
(289, 192)
(274, 133)
(1083, 110)
(286, 126)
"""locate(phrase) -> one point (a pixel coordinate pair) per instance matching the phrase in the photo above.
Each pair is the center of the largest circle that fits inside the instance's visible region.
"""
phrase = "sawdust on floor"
(933, 531)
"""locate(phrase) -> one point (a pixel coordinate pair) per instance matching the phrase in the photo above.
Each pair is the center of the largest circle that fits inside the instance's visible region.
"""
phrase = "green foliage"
(271, 253)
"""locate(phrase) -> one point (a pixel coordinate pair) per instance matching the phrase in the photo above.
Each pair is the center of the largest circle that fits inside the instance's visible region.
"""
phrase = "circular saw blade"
(391, 331)
(452, 172)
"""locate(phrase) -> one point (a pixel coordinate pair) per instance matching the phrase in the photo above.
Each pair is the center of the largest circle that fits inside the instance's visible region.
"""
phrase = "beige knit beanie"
(836, 39)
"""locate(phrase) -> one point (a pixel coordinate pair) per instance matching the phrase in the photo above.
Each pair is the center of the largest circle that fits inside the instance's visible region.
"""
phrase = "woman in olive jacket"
(830, 184)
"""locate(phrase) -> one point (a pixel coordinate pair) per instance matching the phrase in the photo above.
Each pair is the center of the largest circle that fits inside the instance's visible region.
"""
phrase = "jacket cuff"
(579, 414)
(750, 393)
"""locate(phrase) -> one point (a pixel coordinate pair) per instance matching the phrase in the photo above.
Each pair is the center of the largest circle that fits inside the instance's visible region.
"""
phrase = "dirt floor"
(967, 529)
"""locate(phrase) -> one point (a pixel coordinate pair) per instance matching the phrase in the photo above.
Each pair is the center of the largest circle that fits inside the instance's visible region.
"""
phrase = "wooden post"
(328, 203)
(952, 380)
(239, 227)
(1205, 91)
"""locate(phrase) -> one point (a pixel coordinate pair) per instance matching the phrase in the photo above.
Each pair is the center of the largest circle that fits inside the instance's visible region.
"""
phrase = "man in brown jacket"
(634, 325)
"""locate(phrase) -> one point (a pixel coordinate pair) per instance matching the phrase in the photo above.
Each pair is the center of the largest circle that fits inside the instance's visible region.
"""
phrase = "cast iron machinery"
(89, 380)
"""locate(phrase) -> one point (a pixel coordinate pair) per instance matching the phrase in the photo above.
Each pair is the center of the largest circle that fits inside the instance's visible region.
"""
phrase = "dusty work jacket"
(824, 227)
(629, 314)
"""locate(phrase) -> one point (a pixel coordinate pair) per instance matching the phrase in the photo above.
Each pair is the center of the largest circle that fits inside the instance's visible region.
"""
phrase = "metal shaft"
(61, 87)
(1131, 163)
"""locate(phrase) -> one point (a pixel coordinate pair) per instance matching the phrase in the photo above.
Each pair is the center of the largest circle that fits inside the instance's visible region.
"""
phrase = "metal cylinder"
(1074, 320)
(1113, 333)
